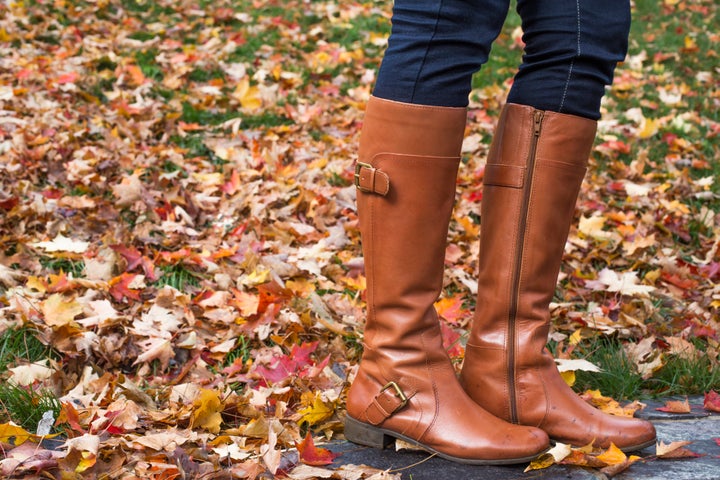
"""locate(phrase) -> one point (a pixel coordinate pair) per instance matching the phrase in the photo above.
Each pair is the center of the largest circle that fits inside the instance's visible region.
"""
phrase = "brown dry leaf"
(674, 450)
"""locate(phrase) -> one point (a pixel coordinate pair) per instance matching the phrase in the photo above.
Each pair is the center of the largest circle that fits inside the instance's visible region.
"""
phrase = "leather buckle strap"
(369, 179)
(390, 399)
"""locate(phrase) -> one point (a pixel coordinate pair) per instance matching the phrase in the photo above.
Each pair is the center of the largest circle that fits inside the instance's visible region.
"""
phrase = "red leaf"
(131, 255)
(119, 287)
(712, 401)
(312, 455)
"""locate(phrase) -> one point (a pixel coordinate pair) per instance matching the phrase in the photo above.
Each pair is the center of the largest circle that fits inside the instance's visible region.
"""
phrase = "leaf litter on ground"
(177, 224)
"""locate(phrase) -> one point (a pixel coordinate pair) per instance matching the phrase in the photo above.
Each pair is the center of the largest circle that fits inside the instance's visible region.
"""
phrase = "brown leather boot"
(406, 386)
(532, 179)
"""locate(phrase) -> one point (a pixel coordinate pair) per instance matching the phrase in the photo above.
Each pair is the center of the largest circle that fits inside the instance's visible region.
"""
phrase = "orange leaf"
(451, 309)
(712, 401)
(612, 456)
(70, 415)
(675, 406)
(312, 455)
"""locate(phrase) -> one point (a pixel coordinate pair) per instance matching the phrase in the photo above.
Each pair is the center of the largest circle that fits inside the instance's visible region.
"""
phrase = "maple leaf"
(312, 455)
(316, 412)
(10, 431)
(62, 243)
(675, 406)
(207, 411)
(625, 283)
(451, 308)
(123, 286)
(674, 450)
(711, 402)
(59, 311)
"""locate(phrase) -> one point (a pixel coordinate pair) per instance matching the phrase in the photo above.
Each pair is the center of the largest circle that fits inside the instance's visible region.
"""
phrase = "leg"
(406, 386)
(571, 50)
(435, 48)
(532, 179)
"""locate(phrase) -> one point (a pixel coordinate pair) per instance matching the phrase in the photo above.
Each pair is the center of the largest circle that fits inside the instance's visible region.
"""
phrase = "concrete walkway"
(699, 426)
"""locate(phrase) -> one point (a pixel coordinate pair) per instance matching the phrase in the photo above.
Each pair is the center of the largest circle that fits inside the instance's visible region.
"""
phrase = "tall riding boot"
(406, 386)
(536, 166)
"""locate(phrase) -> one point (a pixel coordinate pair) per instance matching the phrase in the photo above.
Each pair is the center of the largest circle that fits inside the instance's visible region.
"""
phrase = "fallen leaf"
(674, 450)
(316, 412)
(10, 431)
(207, 413)
(711, 402)
(675, 406)
(555, 455)
(59, 310)
(312, 455)
(612, 456)
(62, 243)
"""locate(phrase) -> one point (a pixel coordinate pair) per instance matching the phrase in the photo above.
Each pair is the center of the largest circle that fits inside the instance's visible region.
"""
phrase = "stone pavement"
(699, 426)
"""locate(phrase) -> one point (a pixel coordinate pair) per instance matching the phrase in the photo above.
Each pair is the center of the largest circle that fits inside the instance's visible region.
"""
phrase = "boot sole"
(371, 436)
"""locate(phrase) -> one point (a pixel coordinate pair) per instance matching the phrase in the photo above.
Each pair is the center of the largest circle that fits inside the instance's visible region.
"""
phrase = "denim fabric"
(571, 50)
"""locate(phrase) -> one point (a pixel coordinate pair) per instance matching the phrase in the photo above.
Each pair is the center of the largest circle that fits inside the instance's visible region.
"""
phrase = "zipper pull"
(539, 114)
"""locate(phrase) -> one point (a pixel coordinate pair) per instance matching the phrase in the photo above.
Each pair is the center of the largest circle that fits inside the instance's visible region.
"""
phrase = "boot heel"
(364, 434)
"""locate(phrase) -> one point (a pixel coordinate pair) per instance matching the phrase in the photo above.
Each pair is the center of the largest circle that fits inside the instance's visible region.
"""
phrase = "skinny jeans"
(571, 50)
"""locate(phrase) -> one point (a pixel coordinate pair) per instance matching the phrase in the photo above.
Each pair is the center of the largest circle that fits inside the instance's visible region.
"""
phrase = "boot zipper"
(519, 247)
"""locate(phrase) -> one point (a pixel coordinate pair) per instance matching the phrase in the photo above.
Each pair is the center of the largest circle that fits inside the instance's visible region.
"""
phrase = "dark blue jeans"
(571, 50)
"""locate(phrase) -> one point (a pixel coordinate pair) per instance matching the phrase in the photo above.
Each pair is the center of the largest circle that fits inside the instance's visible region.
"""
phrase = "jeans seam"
(572, 62)
(427, 49)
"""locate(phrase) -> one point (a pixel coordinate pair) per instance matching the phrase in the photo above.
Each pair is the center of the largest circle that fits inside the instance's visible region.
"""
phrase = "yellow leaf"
(470, 228)
(87, 460)
(575, 337)
(208, 410)
(555, 455)
(543, 461)
(648, 128)
(36, 283)
(317, 412)
(248, 96)
(612, 456)
(569, 377)
(59, 311)
(8, 431)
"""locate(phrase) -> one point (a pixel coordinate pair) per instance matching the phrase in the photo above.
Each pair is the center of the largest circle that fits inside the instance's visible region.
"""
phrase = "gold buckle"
(358, 167)
(398, 393)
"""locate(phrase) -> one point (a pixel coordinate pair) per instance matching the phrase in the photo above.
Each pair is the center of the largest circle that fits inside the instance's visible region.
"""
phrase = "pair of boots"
(510, 399)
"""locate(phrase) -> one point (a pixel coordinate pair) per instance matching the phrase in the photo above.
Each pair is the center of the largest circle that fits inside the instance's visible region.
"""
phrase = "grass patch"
(619, 377)
(26, 406)
(22, 344)
(76, 268)
(686, 376)
(177, 276)
(146, 61)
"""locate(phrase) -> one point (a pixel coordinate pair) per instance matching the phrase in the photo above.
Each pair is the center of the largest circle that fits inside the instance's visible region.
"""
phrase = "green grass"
(686, 376)
(177, 276)
(618, 379)
(75, 268)
(26, 406)
(22, 344)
